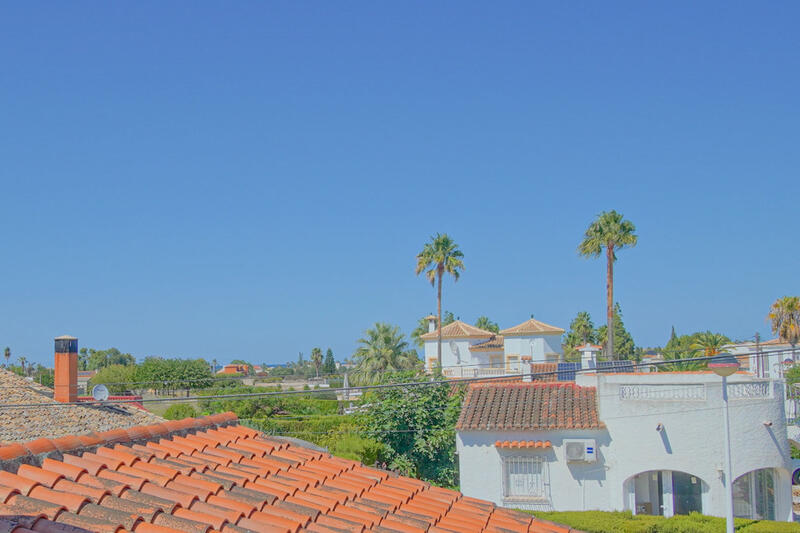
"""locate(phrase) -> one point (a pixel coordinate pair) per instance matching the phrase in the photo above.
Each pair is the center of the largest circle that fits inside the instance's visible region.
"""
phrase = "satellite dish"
(100, 393)
(454, 349)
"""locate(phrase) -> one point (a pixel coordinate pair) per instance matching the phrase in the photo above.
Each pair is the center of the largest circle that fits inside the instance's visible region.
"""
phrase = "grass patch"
(625, 522)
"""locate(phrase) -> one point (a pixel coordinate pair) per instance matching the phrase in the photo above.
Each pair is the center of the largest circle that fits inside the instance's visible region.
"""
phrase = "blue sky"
(254, 179)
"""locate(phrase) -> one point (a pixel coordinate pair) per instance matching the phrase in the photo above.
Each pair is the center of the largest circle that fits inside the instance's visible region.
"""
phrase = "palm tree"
(610, 231)
(7, 354)
(316, 359)
(438, 257)
(708, 344)
(483, 322)
(22, 362)
(419, 331)
(784, 315)
(382, 349)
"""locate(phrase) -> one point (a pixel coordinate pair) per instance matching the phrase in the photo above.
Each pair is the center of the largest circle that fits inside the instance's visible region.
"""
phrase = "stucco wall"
(691, 441)
(535, 346)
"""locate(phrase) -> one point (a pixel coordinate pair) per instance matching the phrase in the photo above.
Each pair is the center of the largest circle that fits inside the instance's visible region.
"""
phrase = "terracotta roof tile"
(458, 330)
(531, 327)
(529, 406)
(52, 422)
(230, 479)
(494, 344)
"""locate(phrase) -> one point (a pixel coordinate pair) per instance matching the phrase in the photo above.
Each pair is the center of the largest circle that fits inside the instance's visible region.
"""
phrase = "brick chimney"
(66, 373)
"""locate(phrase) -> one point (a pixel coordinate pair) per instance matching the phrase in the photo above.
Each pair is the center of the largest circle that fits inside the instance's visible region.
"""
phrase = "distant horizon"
(254, 180)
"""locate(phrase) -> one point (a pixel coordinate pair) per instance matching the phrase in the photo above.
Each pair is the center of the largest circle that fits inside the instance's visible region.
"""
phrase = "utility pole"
(761, 364)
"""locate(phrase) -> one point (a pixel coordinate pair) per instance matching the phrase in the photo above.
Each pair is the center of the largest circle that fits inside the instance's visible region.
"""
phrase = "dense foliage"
(484, 322)
(417, 428)
(698, 344)
(382, 349)
(179, 411)
(155, 373)
(624, 348)
(581, 331)
(91, 359)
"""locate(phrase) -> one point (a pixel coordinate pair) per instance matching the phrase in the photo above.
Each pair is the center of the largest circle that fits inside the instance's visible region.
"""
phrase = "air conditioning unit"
(580, 450)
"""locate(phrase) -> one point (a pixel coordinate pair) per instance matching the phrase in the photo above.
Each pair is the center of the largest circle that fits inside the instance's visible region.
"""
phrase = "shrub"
(179, 411)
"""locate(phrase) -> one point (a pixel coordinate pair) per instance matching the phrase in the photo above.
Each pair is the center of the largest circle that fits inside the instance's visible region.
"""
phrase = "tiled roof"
(492, 345)
(523, 444)
(529, 406)
(24, 424)
(548, 371)
(458, 330)
(531, 327)
(214, 476)
(585, 346)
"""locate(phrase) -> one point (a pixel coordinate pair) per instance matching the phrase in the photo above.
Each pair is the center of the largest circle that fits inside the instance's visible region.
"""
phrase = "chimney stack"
(588, 357)
(66, 373)
(431, 323)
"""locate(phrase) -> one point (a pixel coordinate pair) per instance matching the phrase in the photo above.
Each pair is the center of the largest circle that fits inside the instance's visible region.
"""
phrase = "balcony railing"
(479, 372)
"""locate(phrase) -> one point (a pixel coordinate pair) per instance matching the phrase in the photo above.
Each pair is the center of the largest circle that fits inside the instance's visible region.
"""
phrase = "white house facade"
(649, 443)
(468, 351)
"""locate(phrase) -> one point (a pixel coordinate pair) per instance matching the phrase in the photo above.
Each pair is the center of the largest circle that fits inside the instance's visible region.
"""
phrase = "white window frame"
(525, 477)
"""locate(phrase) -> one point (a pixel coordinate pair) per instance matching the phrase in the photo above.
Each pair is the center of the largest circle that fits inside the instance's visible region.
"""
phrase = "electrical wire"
(450, 382)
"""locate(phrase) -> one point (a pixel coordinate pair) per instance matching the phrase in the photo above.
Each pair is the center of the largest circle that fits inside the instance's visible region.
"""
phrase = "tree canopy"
(329, 366)
(91, 359)
(784, 317)
(383, 348)
(417, 428)
(484, 322)
(624, 347)
(581, 331)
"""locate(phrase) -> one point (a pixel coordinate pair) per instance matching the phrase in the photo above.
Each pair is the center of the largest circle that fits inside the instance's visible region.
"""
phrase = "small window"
(524, 477)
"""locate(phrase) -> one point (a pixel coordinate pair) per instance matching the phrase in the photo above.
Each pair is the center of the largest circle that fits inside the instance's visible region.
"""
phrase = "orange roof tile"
(494, 344)
(523, 444)
(458, 330)
(210, 475)
(529, 406)
(531, 327)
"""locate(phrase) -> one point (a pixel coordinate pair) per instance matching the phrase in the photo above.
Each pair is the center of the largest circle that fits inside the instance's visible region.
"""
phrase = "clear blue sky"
(253, 179)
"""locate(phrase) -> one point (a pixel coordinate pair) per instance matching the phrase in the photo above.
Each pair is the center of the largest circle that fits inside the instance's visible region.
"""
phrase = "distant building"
(468, 351)
(233, 369)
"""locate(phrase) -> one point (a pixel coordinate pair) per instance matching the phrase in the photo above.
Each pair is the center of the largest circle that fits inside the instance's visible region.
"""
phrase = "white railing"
(692, 392)
(472, 372)
(746, 391)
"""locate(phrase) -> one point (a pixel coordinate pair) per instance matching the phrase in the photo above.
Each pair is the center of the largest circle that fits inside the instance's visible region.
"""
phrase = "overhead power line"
(455, 381)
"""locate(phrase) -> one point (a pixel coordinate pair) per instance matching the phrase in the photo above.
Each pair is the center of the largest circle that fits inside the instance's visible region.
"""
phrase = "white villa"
(468, 351)
(651, 443)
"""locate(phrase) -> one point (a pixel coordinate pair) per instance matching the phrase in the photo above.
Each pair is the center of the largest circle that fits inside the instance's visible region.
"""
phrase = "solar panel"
(615, 366)
(566, 371)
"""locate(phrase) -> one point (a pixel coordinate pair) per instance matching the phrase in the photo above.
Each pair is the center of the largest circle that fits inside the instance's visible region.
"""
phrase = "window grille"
(525, 477)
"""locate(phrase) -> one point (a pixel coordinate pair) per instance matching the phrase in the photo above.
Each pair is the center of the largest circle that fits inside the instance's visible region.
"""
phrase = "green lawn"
(624, 522)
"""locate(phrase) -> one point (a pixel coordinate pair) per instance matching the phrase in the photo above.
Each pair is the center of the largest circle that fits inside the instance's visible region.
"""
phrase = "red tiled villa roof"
(212, 475)
(529, 406)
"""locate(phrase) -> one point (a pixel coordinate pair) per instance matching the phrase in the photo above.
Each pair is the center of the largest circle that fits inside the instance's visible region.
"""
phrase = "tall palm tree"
(438, 257)
(7, 354)
(612, 232)
(784, 314)
(316, 359)
(382, 349)
(22, 362)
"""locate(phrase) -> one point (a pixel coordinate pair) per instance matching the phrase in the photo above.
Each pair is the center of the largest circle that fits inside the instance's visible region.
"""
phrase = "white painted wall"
(535, 346)
(449, 358)
(692, 442)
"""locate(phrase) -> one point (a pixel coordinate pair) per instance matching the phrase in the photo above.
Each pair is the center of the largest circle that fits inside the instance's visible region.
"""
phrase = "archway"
(754, 495)
(665, 492)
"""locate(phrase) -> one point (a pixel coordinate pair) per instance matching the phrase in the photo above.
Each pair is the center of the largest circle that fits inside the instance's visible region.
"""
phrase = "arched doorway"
(665, 492)
(754, 495)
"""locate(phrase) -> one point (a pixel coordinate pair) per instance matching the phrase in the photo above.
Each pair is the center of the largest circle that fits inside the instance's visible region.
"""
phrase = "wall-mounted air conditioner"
(580, 450)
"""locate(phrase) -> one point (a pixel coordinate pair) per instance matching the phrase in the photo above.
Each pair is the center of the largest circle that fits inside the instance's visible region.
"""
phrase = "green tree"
(7, 354)
(625, 347)
(329, 366)
(316, 359)
(416, 426)
(581, 331)
(483, 322)
(438, 257)
(118, 378)
(23, 361)
(707, 344)
(448, 318)
(102, 358)
(784, 316)
(382, 349)
(419, 331)
(609, 231)
(83, 359)
(179, 411)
